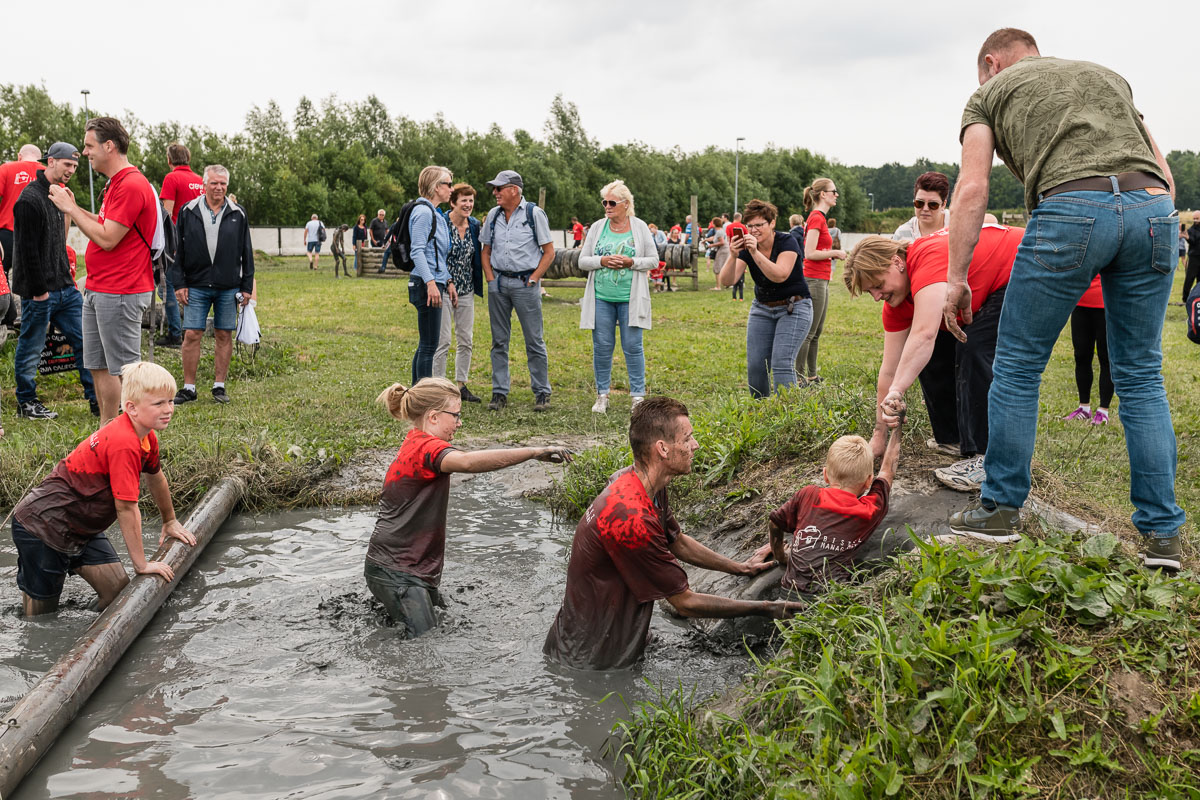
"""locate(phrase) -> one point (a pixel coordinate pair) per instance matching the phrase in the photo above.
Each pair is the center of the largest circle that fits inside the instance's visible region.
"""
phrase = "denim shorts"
(42, 570)
(314, 247)
(223, 303)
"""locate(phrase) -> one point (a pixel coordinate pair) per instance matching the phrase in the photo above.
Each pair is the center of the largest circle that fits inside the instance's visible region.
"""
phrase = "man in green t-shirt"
(1101, 199)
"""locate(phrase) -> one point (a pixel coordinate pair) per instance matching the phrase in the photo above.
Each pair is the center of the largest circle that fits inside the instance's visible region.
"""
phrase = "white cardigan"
(645, 259)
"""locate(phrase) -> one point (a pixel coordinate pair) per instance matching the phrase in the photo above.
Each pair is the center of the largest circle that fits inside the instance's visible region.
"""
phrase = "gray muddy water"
(270, 672)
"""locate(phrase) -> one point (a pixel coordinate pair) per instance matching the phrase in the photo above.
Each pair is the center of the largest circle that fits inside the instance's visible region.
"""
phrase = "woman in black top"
(358, 238)
(782, 309)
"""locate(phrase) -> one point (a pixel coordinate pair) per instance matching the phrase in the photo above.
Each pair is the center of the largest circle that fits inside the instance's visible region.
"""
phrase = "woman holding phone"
(782, 308)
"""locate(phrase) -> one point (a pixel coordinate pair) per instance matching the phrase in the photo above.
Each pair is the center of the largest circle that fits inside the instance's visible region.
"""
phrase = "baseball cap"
(62, 150)
(506, 177)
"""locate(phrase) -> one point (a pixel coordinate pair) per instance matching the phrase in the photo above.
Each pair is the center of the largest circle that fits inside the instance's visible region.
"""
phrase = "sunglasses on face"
(445, 183)
(833, 191)
(610, 203)
(934, 205)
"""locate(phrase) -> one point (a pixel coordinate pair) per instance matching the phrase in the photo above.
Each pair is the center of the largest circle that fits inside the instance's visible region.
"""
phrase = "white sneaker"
(601, 404)
(963, 476)
(633, 401)
(944, 449)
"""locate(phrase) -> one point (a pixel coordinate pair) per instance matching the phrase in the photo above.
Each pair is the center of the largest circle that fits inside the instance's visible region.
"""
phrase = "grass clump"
(1058, 667)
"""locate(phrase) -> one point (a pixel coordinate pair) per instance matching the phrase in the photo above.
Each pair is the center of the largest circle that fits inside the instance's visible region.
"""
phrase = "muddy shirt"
(78, 498)
(410, 534)
(620, 564)
(1056, 120)
(826, 525)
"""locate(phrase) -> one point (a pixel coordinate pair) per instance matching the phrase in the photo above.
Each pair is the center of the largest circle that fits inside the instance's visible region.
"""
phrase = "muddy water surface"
(270, 673)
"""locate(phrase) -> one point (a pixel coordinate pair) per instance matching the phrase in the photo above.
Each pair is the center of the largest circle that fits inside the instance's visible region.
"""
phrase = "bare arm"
(491, 460)
(129, 517)
(893, 348)
(161, 493)
(970, 204)
(918, 345)
(775, 271)
(891, 456)
(813, 254)
(169, 205)
(545, 262)
(688, 550)
(732, 270)
(485, 256)
(106, 235)
(694, 604)
(779, 549)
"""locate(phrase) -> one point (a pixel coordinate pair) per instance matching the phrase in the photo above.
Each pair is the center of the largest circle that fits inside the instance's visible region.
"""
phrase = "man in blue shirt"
(516, 254)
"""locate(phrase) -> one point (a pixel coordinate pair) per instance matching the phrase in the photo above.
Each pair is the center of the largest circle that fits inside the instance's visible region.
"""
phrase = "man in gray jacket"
(213, 269)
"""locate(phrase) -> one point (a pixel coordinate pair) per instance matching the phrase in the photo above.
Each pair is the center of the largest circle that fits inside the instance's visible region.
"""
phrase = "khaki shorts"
(112, 329)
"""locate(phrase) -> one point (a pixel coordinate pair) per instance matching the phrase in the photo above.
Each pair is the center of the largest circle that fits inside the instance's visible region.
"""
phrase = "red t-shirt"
(820, 270)
(76, 501)
(129, 199)
(826, 525)
(577, 231)
(410, 534)
(620, 564)
(14, 177)
(1093, 296)
(71, 259)
(3, 280)
(181, 185)
(928, 263)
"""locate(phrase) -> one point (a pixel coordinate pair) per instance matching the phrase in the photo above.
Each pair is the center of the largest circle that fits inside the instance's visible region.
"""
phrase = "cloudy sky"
(863, 83)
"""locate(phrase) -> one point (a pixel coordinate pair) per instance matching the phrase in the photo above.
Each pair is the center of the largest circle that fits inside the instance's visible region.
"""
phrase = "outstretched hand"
(760, 561)
(893, 408)
(958, 301)
(785, 609)
(555, 455)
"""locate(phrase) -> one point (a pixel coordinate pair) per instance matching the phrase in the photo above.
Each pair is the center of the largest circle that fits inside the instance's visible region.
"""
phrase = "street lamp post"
(737, 152)
(91, 179)
(872, 196)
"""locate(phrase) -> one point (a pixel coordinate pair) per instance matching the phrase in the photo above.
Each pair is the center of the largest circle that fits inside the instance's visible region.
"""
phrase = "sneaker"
(94, 407)
(168, 341)
(963, 476)
(220, 395)
(499, 401)
(998, 525)
(1080, 413)
(601, 404)
(185, 396)
(465, 393)
(1161, 552)
(35, 410)
(635, 400)
(944, 449)
(541, 402)
(1100, 417)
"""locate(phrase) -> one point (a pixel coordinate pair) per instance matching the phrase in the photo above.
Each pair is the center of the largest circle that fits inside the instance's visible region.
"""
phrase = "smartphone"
(737, 229)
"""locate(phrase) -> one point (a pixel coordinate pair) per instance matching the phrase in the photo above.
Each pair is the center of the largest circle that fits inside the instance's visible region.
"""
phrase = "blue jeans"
(506, 295)
(773, 337)
(387, 253)
(171, 309)
(429, 331)
(608, 317)
(1130, 240)
(64, 309)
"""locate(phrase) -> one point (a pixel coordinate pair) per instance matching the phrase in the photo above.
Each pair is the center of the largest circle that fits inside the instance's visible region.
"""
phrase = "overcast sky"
(862, 83)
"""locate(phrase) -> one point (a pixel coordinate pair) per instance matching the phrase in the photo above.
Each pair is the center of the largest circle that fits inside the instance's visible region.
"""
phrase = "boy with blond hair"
(59, 526)
(830, 530)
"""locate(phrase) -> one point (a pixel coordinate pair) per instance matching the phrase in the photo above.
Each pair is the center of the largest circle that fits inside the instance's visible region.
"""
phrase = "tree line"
(339, 159)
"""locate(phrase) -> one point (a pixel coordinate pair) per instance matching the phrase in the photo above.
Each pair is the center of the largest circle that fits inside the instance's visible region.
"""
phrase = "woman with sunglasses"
(618, 254)
(782, 307)
(929, 201)
(430, 284)
(408, 546)
(819, 253)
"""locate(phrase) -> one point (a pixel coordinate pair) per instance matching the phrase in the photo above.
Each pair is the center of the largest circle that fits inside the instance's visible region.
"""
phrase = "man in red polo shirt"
(180, 186)
(14, 177)
(120, 277)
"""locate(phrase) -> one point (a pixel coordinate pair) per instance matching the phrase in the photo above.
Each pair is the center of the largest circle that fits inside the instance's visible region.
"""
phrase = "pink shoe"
(1082, 414)
(1100, 417)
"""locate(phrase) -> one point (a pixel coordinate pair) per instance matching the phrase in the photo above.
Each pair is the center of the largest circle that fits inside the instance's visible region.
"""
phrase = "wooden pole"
(695, 245)
(33, 724)
(542, 198)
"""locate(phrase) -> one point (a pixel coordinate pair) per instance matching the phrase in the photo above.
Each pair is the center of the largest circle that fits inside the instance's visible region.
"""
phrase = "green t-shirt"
(1056, 121)
(613, 285)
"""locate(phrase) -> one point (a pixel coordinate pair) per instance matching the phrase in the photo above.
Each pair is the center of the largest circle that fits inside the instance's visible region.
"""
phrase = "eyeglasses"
(934, 205)
(754, 226)
(455, 414)
(611, 203)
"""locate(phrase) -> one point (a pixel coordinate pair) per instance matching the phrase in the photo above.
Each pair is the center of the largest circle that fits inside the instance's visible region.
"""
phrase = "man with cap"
(516, 254)
(42, 276)
(14, 177)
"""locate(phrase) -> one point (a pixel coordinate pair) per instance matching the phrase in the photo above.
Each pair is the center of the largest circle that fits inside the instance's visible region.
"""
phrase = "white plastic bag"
(248, 332)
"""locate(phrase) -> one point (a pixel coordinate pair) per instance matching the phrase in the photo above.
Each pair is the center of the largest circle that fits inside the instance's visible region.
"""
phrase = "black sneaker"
(35, 410)
(94, 406)
(1162, 553)
(1000, 525)
(499, 401)
(168, 341)
(219, 394)
(541, 402)
(185, 396)
(467, 396)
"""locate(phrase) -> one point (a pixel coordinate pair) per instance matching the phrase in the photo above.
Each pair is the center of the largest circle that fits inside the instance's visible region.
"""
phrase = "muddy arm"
(687, 549)
(694, 604)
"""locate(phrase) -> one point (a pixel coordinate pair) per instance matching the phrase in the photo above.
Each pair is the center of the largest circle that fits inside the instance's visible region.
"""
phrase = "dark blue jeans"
(171, 309)
(429, 332)
(64, 309)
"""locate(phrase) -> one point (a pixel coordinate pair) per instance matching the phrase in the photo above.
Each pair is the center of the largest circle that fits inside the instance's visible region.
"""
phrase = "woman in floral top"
(466, 271)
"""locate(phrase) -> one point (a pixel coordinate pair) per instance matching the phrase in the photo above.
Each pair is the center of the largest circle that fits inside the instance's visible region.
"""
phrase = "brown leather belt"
(790, 302)
(1126, 182)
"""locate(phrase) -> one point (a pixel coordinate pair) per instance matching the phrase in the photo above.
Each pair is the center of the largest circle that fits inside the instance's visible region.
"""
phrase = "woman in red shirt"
(1090, 335)
(910, 277)
(818, 266)
(408, 547)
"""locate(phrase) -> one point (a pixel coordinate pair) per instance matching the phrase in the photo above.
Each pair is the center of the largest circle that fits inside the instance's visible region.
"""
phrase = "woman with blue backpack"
(429, 243)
